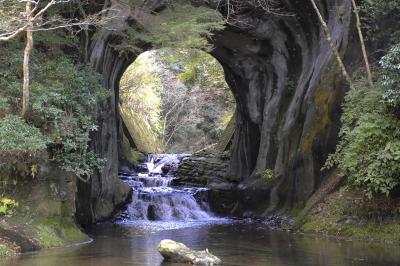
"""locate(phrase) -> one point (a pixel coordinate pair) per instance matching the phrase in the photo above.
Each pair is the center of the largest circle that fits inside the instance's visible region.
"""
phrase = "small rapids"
(155, 199)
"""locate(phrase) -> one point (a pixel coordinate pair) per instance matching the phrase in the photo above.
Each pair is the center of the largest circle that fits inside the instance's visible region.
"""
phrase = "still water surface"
(234, 242)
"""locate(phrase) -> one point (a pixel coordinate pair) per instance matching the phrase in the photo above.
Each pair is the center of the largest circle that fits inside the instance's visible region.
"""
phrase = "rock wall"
(105, 192)
(45, 213)
(288, 91)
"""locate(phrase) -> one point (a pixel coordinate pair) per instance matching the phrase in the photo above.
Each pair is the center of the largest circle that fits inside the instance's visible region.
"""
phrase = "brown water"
(235, 243)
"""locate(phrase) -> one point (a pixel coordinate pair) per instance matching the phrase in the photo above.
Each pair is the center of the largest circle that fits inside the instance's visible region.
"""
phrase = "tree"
(364, 50)
(35, 18)
(332, 45)
(193, 97)
(232, 9)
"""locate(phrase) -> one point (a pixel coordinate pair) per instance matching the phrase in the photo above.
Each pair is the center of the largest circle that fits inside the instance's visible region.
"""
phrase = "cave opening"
(173, 101)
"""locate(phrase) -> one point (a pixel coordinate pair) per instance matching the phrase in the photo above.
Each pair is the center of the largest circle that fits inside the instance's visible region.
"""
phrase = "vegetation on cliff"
(63, 94)
(368, 153)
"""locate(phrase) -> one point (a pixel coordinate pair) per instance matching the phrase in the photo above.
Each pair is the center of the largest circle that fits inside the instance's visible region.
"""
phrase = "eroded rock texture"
(288, 93)
(105, 192)
(288, 90)
(98, 199)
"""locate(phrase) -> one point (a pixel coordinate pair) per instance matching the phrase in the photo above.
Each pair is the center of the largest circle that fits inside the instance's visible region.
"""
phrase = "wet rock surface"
(203, 169)
(177, 252)
(155, 198)
(226, 196)
(45, 214)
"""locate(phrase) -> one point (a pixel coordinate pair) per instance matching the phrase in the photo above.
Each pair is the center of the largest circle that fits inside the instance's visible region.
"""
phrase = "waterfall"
(154, 198)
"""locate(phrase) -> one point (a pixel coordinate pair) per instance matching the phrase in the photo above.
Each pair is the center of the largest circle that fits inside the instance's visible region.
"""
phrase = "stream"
(160, 210)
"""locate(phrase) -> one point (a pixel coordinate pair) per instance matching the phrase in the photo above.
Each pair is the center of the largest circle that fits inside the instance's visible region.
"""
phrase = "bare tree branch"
(10, 35)
(334, 49)
(364, 50)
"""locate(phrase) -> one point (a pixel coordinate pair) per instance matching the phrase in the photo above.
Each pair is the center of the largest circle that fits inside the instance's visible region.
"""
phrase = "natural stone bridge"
(288, 94)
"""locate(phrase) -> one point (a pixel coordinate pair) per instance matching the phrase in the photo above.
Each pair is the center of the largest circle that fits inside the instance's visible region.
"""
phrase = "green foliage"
(180, 25)
(63, 94)
(18, 136)
(188, 113)
(6, 251)
(185, 26)
(267, 174)
(197, 69)
(4, 104)
(391, 77)
(379, 19)
(21, 145)
(140, 89)
(10, 15)
(369, 149)
(7, 207)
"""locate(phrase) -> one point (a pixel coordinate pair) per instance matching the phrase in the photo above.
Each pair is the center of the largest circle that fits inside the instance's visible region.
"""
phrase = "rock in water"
(177, 252)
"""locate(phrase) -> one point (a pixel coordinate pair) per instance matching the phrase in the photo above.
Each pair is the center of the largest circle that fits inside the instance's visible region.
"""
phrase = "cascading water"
(155, 199)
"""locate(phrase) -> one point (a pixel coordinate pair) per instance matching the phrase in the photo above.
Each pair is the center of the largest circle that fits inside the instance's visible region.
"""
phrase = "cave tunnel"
(288, 95)
(173, 101)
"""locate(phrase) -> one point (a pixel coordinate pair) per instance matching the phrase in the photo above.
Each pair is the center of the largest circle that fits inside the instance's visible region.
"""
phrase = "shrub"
(20, 141)
(369, 149)
(379, 19)
(391, 77)
(63, 96)
(7, 207)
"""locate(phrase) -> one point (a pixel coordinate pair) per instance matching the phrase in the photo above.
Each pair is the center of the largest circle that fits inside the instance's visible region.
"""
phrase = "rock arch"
(288, 93)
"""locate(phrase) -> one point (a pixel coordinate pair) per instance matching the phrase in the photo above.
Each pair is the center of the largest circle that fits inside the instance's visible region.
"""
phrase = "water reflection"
(237, 244)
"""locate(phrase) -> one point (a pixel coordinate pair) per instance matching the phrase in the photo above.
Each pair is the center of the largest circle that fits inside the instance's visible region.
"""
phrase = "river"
(161, 211)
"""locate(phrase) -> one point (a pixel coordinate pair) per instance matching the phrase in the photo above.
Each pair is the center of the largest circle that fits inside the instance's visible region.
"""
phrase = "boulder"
(177, 252)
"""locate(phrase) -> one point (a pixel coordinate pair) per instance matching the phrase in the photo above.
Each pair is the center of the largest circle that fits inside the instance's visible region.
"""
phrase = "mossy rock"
(51, 232)
(6, 251)
(227, 135)
(338, 216)
(45, 214)
(144, 138)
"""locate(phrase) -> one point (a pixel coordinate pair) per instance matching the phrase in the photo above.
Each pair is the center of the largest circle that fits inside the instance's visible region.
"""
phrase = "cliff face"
(288, 92)
(105, 192)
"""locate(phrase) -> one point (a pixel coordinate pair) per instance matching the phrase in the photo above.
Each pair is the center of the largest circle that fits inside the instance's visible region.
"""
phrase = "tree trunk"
(332, 44)
(27, 53)
(364, 50)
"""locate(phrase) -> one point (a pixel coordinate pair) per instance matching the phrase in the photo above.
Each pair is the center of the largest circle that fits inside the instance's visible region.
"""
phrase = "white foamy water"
(154, 199)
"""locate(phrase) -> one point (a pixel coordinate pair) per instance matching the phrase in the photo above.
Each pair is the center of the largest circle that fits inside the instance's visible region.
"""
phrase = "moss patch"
(45, 213)
(52, 232)
(324, 98)
(140, 131)
(342, 215)
(227, 135)
(6, 251)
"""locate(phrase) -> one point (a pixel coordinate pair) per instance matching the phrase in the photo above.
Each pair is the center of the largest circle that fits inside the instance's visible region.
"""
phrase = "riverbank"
(42, 214)
(236, 243)
(348, 215)
(334, 210)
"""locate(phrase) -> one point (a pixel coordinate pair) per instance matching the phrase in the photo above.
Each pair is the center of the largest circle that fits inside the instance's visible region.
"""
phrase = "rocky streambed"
(227, 196)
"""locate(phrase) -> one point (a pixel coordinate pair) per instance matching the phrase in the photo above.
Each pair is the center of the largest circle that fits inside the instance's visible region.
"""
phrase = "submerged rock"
(177, 252)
